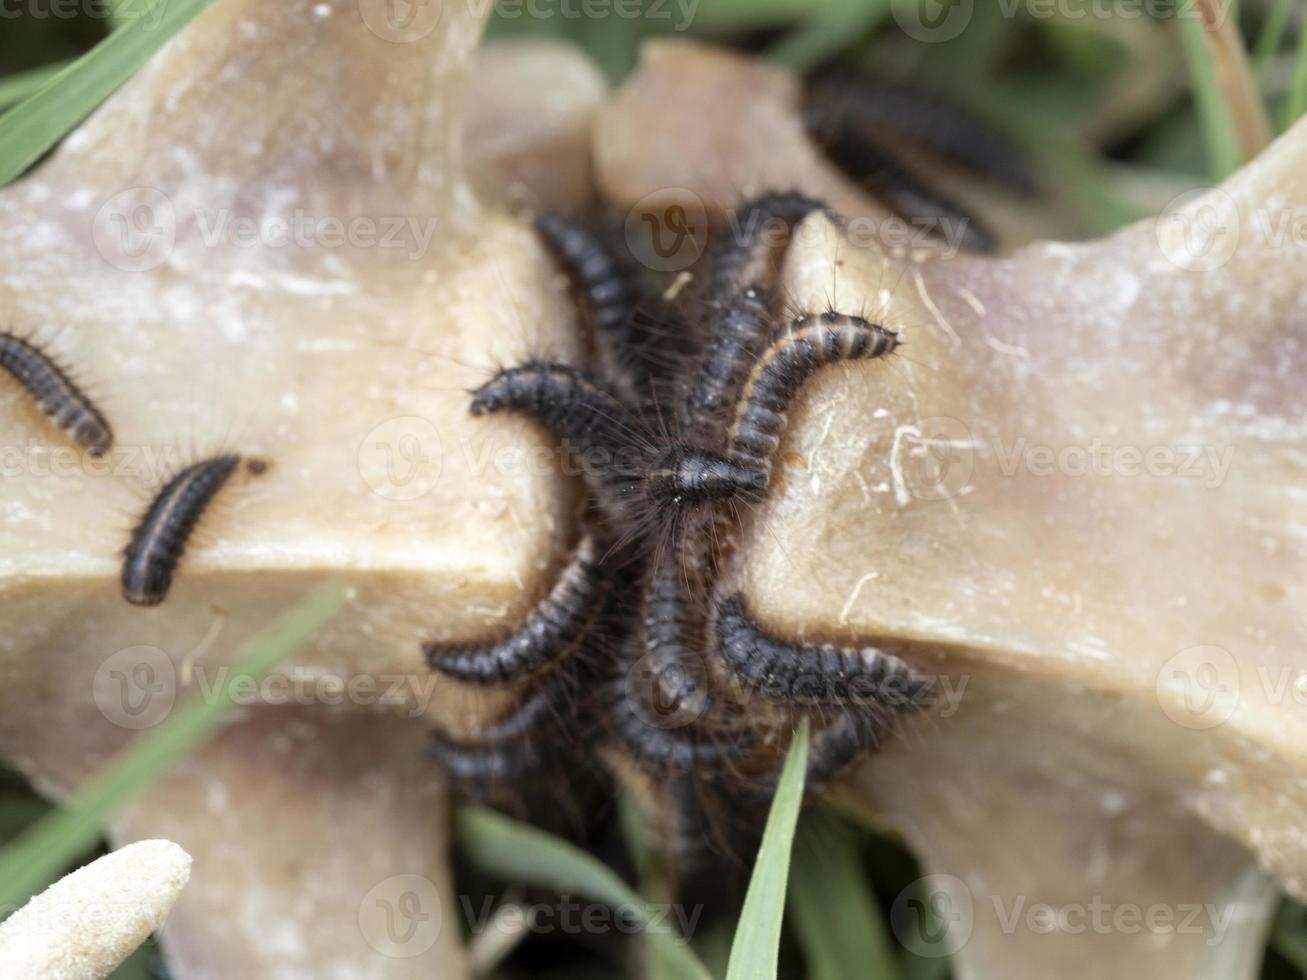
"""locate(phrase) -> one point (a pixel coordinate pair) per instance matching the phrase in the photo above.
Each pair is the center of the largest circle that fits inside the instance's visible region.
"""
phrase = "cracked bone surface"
(1076, 494)
(263, 244)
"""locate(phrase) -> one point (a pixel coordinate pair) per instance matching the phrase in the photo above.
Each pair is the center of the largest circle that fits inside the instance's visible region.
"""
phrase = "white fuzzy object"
(87, 923)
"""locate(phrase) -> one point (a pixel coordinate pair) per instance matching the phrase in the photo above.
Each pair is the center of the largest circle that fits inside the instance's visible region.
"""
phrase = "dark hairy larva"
(160, 538)
(602, 283)
(571, 402)
(738, 333)
(55, 394)
(743, 257)
(814, 674)
(680, 682)
(947, 130)
(579, 409)
(685, 475)
(506, 748)
(810, 343)
(671, 747)
(838, 745)
(850, 142)
(549, 631)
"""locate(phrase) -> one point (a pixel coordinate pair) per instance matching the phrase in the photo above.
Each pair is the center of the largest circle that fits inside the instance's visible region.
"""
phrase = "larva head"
(94, 435)
(684, 476)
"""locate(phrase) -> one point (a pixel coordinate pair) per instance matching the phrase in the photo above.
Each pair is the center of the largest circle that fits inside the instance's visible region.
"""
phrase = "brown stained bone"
(344, 365)
(1124, 651)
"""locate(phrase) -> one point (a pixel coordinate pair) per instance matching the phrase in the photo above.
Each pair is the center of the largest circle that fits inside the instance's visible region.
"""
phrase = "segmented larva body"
(810, 343)
(835, 747)
(686, 475)
(569, 401)
(598, 277)
(576, 407)
(743, 256)
(506, 748)
(737, 335)
(159, 540)
(801, 673)
(945, 129)
(549, 631)
(852, 146)
(55, 394)
(477, 764)
(684, 748)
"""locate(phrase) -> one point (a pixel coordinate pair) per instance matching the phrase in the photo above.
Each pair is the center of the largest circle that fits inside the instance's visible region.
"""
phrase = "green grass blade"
(1271, 36)
(1289, 934)
(521, 853)
(742, 14)
(825, 33)
(43, 119)
(756, 949)
(1223, 157)
(1297, 104)
(40, 853)
(832, 906)
(15, 88)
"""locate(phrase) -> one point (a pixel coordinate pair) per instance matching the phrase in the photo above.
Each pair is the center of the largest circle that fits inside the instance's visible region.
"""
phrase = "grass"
(45, 848)
(1043, 80)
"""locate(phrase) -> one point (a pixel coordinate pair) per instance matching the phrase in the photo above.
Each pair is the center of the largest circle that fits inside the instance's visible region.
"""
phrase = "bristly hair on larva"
(800, 673)
(849, 141)
(55, 394)
(805, 347)
(159, 540)
(600, 281)
(746, 254)
(928, 121)
(549, 632)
